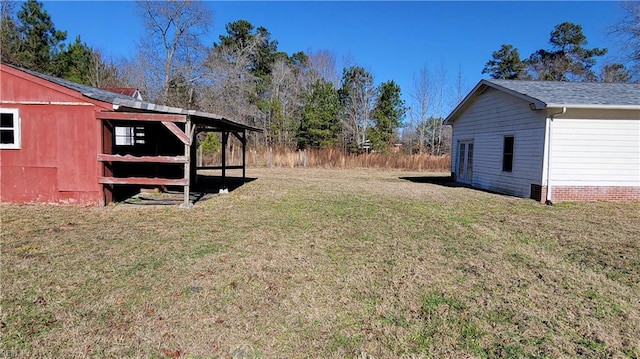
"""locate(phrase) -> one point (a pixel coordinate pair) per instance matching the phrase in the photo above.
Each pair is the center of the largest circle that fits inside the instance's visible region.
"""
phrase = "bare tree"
(629, 30)
(615, 73)
(459, 88)
(420, 109)
(357, 96)
(285, 97)
(322, 65)
(429, 95)
(230, 84)
(171, 43)
(441, 93)
(126, 72)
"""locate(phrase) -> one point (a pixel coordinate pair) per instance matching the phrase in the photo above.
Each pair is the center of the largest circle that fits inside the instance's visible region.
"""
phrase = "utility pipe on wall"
(549, 127)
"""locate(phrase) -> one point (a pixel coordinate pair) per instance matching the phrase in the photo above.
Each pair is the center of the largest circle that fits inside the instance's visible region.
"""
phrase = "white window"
(129, 136)
(507, 154)
(9, 128)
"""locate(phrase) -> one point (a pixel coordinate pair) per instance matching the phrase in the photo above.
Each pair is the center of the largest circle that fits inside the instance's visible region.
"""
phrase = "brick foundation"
(585, 193)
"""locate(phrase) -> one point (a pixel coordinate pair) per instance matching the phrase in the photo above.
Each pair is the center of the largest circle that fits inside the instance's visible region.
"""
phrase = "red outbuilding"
(66, 143)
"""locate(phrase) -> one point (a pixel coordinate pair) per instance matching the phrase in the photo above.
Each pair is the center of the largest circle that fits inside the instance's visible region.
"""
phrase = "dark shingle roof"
(576, 93)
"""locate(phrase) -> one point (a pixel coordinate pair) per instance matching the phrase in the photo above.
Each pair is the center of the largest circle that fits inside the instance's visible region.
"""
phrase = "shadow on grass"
(213, 184)
(445, 181)
(204, 188)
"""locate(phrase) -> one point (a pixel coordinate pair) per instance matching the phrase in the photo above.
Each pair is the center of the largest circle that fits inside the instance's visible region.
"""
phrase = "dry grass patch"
(333, 158)
(324, 263)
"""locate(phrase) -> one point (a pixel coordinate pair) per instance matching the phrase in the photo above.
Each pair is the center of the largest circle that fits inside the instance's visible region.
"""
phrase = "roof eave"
(592, 106)
(147, 106)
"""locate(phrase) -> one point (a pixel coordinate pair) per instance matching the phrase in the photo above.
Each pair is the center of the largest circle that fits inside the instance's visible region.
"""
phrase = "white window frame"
(129, 136)
(17, 135)
(511, 154)
(464, 166)
(123, 136)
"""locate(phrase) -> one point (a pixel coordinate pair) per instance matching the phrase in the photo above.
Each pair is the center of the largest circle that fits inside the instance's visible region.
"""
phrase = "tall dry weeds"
(331, 158)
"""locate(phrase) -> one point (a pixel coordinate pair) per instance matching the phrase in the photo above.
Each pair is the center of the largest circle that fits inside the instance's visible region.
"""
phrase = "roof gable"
(555, 94)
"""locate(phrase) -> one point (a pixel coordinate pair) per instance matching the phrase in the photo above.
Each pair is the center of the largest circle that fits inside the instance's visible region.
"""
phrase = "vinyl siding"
(490, 117)
(596, 152)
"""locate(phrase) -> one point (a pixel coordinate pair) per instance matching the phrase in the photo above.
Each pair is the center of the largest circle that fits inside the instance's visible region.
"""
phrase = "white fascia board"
(593, 106)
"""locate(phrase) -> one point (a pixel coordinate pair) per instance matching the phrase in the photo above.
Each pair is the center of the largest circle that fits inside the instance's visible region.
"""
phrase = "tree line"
(569, 58)
(300, 100)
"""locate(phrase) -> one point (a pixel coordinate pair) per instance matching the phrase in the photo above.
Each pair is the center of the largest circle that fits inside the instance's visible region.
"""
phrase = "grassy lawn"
(324, 263)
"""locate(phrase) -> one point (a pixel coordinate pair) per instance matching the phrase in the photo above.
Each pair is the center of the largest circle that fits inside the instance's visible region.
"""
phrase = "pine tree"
(39, 41)
(75, 63)
(506, 64)
(9, 36)
(568, 59)
(387, 116)
(320, 125)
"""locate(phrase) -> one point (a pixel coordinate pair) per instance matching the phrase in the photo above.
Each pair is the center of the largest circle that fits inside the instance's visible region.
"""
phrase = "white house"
(549, 141)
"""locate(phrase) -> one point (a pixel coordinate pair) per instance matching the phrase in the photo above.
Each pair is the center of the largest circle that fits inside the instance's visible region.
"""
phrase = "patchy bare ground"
(324, 263)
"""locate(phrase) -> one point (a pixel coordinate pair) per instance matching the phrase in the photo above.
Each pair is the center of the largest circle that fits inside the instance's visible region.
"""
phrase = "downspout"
(549, 127)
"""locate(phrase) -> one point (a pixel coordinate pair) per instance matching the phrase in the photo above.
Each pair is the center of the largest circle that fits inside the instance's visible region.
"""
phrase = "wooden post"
(243, 140)
(107, 167)
(225, 139)
(193, 168)
(187, 166)
(244, 155)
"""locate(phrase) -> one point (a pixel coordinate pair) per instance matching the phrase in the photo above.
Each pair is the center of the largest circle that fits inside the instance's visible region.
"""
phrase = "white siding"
(490, 117)
(596, 152)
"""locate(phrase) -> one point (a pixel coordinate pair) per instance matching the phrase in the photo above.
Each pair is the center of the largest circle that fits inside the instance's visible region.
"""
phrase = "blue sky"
(393, 40)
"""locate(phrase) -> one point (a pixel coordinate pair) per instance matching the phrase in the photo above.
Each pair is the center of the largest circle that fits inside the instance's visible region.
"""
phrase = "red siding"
(78, 153)
(39, 138)
(28, 184)
(57, 161)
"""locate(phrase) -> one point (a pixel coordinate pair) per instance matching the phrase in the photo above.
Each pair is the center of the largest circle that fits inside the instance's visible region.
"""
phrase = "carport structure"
(152, 145)
(69, 143)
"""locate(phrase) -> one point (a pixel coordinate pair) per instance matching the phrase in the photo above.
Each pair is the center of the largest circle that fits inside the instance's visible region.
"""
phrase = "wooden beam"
(140, 116)
(103, 157)
(220, 167)
(143, 181)
(241, 139)
(178, 132)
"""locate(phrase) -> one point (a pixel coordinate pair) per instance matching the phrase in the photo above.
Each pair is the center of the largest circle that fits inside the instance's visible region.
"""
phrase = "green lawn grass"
(324, 263)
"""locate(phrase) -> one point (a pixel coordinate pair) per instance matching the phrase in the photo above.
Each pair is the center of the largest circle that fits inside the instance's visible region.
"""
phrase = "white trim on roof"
(594, 106)
(57, 103)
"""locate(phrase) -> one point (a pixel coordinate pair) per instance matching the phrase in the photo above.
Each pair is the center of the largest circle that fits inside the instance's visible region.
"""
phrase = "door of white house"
(465, 162)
